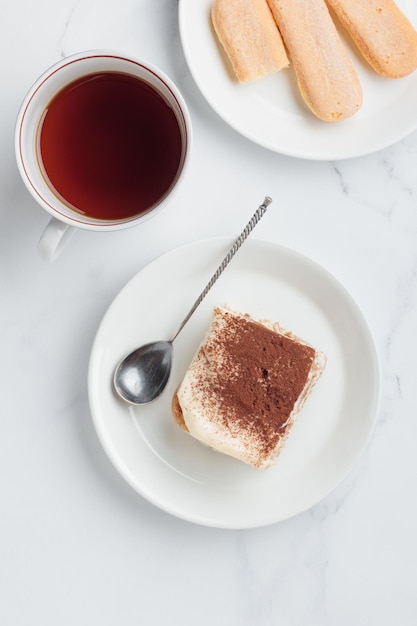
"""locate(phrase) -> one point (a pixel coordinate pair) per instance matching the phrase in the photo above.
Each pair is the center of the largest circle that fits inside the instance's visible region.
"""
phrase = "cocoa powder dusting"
(256, 377)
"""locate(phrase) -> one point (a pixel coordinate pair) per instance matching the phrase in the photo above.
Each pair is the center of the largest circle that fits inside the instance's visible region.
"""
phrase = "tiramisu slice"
(244, 387)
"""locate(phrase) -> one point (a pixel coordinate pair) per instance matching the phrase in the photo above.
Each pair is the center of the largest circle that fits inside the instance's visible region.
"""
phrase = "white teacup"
(66, 215)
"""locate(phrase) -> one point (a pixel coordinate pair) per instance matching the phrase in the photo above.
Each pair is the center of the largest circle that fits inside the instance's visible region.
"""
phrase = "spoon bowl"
(142, 376)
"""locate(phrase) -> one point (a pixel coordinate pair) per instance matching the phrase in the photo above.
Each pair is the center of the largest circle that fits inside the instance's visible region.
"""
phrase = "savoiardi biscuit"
(250, 38)
(326, 77)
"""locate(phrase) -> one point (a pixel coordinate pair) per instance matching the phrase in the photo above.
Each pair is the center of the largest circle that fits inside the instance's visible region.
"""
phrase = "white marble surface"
(77, 544)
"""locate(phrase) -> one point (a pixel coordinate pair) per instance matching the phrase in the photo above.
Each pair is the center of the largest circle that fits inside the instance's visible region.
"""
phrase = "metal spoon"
(143, 374)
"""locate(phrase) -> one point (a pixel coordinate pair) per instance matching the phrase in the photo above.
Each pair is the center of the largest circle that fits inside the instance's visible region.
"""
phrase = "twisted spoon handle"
(229, 256)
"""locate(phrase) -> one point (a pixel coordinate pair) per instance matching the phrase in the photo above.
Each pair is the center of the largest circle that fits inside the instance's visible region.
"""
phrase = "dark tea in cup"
(102, 142)
(110, 145)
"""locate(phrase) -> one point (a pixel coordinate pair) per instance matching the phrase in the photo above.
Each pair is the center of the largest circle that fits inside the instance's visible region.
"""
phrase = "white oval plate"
(271, 112)
(177, 473)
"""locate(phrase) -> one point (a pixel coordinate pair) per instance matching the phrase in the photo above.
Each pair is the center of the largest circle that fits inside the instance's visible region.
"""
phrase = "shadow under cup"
(102, 140)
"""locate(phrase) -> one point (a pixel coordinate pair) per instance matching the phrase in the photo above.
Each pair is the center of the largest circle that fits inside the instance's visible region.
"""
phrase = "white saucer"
(177, 473)
(271, 112)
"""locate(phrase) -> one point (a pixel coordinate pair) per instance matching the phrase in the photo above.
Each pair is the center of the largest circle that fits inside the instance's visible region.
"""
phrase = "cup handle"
(54, 239)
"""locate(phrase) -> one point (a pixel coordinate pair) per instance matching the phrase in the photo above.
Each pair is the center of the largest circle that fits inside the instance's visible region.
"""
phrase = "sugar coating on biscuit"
(326, 76)
(382, 33)
(250, 38)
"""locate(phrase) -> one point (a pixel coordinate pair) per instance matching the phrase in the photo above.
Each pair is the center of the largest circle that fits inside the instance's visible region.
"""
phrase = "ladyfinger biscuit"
(325, 74)
(383, 34)
(250, 37)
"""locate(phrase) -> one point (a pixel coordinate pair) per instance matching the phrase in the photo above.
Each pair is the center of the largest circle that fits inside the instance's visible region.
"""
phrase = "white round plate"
(271, 112)
(177, 473)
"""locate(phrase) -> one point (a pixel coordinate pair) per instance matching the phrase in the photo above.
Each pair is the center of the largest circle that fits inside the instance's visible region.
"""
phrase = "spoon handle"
(229, 256)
